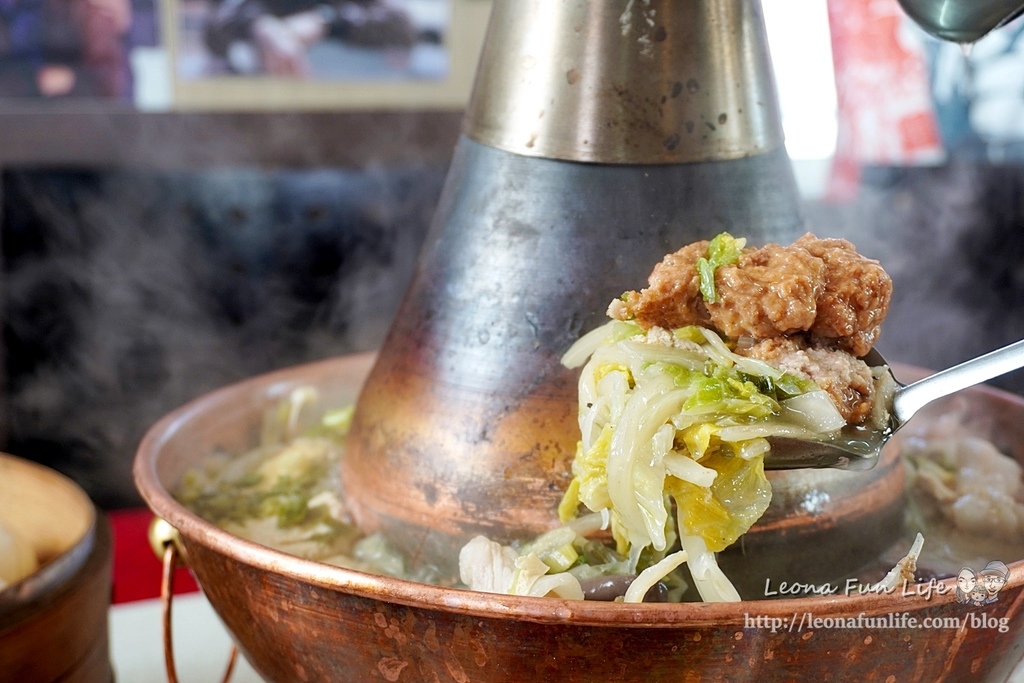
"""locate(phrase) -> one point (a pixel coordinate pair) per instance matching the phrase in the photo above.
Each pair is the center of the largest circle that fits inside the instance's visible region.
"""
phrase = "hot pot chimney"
(600, 136)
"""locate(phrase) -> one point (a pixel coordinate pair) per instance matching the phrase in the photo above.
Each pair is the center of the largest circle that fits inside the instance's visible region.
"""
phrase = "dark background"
(143, 274)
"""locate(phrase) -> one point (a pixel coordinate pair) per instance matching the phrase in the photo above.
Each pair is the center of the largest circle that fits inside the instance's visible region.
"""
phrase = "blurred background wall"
(211, 221)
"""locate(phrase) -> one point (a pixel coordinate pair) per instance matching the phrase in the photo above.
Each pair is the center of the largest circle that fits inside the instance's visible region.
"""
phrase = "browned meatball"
(855, 298)
(847, 380)
(672, 298)
(809, 309)
(820, 287)
(769, 292)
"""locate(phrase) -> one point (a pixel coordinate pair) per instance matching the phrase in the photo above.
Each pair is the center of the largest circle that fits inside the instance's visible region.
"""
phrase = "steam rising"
(129, 294)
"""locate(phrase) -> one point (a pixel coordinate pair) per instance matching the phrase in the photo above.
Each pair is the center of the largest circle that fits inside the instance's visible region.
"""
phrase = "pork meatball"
(855, 298)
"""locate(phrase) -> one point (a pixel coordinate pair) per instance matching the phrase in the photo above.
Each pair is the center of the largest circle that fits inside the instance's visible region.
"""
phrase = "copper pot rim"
(194, 529)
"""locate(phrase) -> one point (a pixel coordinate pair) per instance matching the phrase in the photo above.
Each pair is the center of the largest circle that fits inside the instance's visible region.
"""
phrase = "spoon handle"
(913, 397)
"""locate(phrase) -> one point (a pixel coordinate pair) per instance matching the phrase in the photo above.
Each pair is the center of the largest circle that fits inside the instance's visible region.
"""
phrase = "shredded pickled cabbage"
(282, 493)
(674, 429)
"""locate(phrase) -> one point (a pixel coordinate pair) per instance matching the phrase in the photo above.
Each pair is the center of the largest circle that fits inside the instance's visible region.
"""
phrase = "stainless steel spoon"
(857, 448)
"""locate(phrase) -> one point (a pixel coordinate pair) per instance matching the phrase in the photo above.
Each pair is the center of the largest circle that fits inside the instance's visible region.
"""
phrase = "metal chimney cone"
(600, 136)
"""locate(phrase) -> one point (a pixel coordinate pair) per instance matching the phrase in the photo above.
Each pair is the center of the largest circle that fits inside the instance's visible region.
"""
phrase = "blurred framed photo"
(324, 54)
(330, 40)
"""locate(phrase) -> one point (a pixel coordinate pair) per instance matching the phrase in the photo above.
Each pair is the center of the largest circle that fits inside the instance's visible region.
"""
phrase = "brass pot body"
(601, 136)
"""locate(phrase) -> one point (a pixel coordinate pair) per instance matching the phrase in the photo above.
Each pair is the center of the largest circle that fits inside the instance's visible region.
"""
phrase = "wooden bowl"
(299, 620)
(53, 623)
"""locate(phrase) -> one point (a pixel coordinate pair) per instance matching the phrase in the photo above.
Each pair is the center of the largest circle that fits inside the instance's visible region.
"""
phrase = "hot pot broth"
(964, 494)
(285, 494)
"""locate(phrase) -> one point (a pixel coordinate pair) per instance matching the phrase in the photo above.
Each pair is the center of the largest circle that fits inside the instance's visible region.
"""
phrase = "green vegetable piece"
(706, 272)
(624, 329)
(559, 559)
(249, 479)
(290, 509)
(690, 333)
(597, 553)
(340, 419)
(723, 390)
(786, 386)
(723, 250)
(684, 377)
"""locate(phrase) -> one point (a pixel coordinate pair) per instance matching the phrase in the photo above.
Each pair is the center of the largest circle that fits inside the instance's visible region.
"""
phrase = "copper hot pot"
(299, 620)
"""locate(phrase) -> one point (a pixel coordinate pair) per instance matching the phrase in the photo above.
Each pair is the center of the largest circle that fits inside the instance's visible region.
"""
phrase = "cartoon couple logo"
(981, 588)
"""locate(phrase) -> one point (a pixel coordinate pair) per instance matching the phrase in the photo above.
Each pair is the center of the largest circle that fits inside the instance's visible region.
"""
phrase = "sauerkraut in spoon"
(727, 347)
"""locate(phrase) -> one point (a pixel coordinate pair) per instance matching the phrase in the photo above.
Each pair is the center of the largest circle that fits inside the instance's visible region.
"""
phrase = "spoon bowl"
(857, 447)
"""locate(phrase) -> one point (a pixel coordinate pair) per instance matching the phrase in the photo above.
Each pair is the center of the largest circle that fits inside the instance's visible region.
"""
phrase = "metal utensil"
(962, 21)
(857, 448)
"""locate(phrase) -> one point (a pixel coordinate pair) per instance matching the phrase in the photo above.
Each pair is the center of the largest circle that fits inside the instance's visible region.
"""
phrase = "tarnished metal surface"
(623, 81)
(468, 422)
